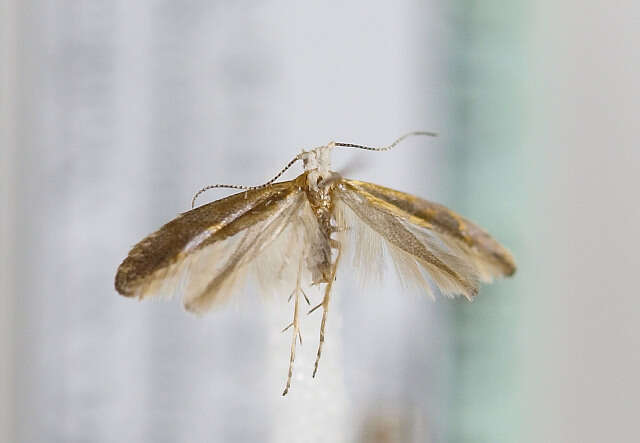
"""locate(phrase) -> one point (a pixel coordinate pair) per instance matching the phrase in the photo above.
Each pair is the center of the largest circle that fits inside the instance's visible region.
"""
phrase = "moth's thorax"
(319, 190)
(319, 182)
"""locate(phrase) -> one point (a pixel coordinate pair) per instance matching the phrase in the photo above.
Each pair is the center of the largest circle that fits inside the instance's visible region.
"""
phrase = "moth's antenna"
(386, 148)
(246, 188)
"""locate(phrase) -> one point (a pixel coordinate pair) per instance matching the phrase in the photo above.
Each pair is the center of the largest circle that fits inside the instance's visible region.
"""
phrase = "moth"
(293, 235)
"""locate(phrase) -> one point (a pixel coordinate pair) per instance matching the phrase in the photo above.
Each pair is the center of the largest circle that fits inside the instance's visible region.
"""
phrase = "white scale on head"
(317, 163)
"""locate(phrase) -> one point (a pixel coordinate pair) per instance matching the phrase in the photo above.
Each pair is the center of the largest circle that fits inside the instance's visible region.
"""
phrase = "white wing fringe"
(368, 240)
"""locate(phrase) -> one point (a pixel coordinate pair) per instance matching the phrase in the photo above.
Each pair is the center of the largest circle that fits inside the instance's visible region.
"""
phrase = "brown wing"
(455, 252)
(201, 252)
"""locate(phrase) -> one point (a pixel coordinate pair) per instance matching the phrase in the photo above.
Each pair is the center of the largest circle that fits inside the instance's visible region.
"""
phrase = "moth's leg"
(325, 302)
(296, 327)
(303, 294)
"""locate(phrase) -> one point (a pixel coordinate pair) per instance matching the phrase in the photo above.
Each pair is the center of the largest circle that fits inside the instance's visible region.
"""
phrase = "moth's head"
(317, 163)
(318, 159)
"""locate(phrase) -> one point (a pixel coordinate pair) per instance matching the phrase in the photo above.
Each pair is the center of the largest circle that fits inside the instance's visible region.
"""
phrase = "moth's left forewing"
(454, 252)
(205, 253)
(213, 281)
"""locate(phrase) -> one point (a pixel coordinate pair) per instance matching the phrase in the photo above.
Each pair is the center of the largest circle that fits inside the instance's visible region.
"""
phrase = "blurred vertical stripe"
(487, 67)
(8, 107)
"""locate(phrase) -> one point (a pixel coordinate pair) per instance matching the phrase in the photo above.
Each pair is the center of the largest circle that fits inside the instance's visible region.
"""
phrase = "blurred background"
(114, 113)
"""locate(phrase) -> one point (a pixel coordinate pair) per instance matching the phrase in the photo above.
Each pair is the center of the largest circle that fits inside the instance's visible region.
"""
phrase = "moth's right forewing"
(455, 253)
(369, 218)
(461, 236)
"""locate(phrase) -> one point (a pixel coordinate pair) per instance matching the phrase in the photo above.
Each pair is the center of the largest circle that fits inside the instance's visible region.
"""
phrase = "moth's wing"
(204, 252)
(455, 253)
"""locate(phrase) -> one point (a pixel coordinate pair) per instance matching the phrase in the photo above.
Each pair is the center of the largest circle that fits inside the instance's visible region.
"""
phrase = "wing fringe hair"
(205, 254)
(431, 246)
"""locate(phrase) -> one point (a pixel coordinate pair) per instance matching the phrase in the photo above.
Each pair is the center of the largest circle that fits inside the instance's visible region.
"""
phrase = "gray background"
(114, 113)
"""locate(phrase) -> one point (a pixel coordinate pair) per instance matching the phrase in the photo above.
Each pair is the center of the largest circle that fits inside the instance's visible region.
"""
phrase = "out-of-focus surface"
(487, 54)
(114, 113)
(581, 315)
(123, 110)
(8, 48)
